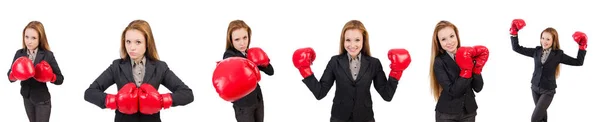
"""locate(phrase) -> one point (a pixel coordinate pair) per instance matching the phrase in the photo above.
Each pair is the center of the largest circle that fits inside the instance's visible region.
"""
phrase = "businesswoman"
(249, 108)
(454, 76)
(353, 70)
(547, 58)
(138, 74)
(35, 52)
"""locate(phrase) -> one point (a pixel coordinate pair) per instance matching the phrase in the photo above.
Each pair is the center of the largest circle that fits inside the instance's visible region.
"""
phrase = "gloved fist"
(303, 59)
(43, 72)
(151, 101)
(400, 59)
(22, 69)
(235, 77)
(581, 39)
(258, 56)
(517, 24)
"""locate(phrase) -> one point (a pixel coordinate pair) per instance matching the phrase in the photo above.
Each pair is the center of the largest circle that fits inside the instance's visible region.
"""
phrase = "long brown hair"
(436, 49)
(555, 44)
(234, 25)
(355, 24)
(143, 26)
(39, 27)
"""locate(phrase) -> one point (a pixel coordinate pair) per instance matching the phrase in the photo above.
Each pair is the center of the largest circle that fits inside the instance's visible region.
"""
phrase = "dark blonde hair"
(142, 26)
(234, 25)
(355, 24)
(436, 49)
(555, 44)
(39, 28)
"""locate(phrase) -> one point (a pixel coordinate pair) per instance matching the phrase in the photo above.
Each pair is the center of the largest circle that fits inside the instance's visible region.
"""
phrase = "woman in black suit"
(249, 108)
(452, 88)
(138, 75)
(547, 58)
(36, 52)
(353, 70)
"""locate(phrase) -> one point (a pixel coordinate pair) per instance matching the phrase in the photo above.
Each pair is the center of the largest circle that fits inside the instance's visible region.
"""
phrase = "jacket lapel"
(364, 66)
(451, 64)
(126, 69)
(149, 70)
(38, 56)
(550, 56)
(345, 64)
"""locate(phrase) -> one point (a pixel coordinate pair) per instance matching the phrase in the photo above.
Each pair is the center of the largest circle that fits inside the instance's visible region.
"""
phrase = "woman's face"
(31, 38)
(546, 40)
(239, 39)
(447, 39)
(135, 43)
(353, 41)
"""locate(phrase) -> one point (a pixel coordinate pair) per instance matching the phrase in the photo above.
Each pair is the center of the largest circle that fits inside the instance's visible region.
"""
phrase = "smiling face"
(546, 40)
(353, 42)
(448, 39)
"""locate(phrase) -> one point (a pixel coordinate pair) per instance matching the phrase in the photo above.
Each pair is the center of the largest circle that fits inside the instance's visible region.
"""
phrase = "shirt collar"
(451, 55)
(142, 62)
(34, 51)
(357, 57)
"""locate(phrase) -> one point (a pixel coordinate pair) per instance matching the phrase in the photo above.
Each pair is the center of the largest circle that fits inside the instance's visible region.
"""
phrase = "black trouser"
(337, 120)
(37, 111)
(253, 113)
(542, 99)
(452, 117)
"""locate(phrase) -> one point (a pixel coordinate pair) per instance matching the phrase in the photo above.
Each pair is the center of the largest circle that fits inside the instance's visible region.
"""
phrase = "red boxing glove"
(235, 77)
(151, 102)
(581, 39)
(517, 24)
(464, 59)
(400, 59)
(303, 59)
(258, 56)
(44, 72)
(126, 100)
(480, 56)
(22, 69)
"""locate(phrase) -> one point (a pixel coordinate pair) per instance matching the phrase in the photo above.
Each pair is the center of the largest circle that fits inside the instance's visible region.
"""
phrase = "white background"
(190, 37)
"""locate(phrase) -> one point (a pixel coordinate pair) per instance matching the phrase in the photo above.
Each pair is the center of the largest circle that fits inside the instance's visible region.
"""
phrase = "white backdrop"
(85, 39)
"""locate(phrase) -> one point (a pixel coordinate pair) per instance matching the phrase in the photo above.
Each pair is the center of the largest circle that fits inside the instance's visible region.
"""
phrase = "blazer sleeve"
(55, 69)
(454, 89)
(386, 87)
(267, 70)
(477, 83)
(181, 93)
(320, 88)
(10, 68)
(95, 93)
(520, 49)
(568, 60)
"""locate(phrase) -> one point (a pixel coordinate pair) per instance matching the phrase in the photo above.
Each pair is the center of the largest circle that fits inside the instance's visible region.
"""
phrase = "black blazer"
(544, 74)
(120, 73)
(256, 95)
(31, 88)
(352, 97)
(457, 95)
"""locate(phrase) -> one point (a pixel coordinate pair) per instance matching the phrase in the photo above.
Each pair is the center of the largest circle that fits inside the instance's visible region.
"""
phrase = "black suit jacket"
(544, 74)
(256, 95)
(120, 73)
(352, 97)
(31, 88)
(457, 95)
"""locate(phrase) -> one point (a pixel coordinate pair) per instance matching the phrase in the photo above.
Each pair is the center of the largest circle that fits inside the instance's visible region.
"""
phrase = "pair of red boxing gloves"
(146, 97)
(304, 57)
(579, 37)
(22, 69)
(236, 77)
